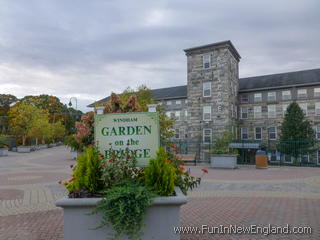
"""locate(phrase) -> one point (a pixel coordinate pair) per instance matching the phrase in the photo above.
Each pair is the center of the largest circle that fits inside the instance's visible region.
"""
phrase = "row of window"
(177, 114)
(176, 102)
(272, 133)
(272, 113)
(285, 95)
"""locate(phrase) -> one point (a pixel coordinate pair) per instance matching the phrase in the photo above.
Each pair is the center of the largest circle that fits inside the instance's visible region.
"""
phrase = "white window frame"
(247, 132)
(177, 115)
(284, 109)
(286, 96)
(316, 92)
(244, 98)
(272, 114)
(169, 103)
(206, 135)
(304, 107)
(242, 112)
(175, 133)
(302, 93)
(178, 102)
(275, 132)
(257, 97)
(206, 61)
(205, 87)
(206, 110)
(255, 133)
(317, 109)
(272, 96)
(255, 115)
(317, 132)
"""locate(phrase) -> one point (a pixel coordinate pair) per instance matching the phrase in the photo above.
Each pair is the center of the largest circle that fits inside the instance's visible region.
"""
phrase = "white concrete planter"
(161, 217)
(223, 161)
(3, 152)
(24, 149)
(42, 146)
(52, 145)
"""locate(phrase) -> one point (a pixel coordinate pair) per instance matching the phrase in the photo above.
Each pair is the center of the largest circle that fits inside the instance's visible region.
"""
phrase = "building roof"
(280, 80)
(227, 44)
(273, 81)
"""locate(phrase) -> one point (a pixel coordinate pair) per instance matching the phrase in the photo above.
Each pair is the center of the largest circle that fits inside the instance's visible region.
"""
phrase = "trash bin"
(261, 159)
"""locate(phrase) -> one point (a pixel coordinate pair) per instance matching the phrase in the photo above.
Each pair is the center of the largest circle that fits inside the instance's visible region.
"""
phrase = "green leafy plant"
(160, 174)
(221, 144)
(3, 141)
(124, 206)
(184, 180)
(87, 173)
(72, 143)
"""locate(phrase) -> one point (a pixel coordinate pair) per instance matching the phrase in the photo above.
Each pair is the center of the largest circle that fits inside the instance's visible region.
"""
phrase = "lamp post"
(70, 103)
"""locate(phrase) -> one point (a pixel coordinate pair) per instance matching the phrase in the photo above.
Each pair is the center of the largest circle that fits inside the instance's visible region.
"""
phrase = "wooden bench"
(187, 158)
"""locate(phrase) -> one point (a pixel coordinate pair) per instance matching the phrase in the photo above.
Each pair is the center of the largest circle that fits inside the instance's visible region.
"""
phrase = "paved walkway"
(243, 197)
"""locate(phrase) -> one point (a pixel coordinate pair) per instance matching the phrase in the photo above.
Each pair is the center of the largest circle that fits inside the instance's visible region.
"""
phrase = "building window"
(169, 103)
(207, 89)
(207, 135)
(168, 114)
(317, 108)
(185, 113)
(244, 113)
(304, 107)
(272, 111)
(186, 101)
(206, 61)
(244, 133)
(257, 112)
(271, 96)
(177, 115)
(284, 109)
(257, 97)
(272, 132)
(244, 98)
(318, 132)
(258, 133)
(302, 93)
(178, 102)
(286, 95)
(206, 113)
(317, 92)
(176, 133)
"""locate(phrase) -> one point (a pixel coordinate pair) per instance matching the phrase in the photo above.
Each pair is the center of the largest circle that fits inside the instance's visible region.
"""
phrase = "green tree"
(5, 101)
(297, 136)
(39, 127)
(22, 118)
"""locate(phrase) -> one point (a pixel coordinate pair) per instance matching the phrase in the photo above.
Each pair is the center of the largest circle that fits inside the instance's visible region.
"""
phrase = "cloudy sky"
(88, 49)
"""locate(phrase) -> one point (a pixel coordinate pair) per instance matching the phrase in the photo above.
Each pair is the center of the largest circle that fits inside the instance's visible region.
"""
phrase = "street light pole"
(70, 103)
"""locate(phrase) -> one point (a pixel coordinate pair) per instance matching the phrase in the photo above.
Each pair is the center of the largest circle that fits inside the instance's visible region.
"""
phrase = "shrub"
(87, 174)
(221, 144)
(3, 141)
(160, 174)
(124, 206)
(72, 143)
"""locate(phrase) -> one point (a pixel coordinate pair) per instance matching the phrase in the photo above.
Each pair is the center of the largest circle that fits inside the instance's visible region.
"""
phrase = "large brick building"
(253, 108)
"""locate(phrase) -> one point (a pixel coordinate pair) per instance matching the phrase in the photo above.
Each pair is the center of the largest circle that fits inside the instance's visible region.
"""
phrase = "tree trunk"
(23, 140)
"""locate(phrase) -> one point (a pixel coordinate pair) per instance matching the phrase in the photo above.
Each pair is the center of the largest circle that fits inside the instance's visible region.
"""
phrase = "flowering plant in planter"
(126, 191)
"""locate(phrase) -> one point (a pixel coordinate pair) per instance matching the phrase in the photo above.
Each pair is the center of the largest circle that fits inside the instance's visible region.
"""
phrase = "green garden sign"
(136, 134)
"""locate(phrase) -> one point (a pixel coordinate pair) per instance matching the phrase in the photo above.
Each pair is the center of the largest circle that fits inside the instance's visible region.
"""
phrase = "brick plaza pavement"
(244, 196)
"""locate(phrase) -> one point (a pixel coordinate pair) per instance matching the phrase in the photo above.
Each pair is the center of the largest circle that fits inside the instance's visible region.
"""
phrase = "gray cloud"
(89, 48)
